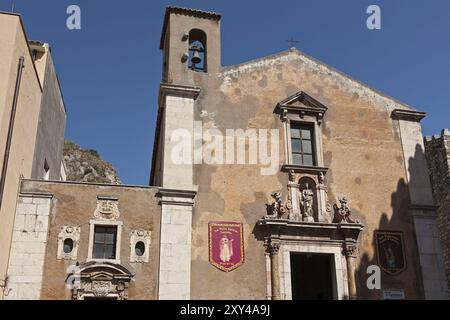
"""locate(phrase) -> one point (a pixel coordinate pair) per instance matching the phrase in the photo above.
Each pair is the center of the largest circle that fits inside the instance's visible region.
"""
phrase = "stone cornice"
(107, 197)
(408, 115)
(423, 210)
(46, 195)
(284, 229)
(179, 193)
(304, 169)
(177, 90)
(177, 196)
(423, 207)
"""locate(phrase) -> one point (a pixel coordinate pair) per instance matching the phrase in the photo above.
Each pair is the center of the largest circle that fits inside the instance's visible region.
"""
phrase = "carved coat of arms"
(100, 288)
(390, 251)
(226, 245)
(107, 208)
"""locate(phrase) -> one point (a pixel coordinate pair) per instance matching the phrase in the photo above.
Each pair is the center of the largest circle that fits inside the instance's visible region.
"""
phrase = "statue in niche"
(307, 203)
(277, 209)
(342, 213)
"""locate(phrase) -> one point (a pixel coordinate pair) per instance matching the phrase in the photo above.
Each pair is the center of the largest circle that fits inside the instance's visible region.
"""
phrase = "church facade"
(279, 178)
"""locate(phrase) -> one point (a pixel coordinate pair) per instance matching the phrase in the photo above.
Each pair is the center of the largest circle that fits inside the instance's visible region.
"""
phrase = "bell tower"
(190, 43)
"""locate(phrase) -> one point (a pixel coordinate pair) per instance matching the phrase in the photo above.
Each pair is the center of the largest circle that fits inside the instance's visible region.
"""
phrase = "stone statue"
(307, 203)
(278, 209)
(342, 213)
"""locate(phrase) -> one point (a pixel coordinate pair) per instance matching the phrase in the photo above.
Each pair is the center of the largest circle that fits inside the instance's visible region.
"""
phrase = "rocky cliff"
(87, 166)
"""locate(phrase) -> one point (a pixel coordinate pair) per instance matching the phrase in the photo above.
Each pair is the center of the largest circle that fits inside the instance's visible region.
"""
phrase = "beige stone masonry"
(26, 264)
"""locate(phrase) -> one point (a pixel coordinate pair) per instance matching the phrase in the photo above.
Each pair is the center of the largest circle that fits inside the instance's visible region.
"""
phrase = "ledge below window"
(303, 169)
(97, 260)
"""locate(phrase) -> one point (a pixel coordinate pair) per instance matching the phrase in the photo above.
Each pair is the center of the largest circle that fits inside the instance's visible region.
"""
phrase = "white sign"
(393, 294)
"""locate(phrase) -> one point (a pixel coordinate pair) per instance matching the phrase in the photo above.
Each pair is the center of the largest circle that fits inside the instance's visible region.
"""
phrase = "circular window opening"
(139, 249)
(68, 245)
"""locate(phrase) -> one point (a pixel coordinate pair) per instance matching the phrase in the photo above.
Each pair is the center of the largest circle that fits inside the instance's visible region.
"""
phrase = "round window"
(139, 248)
(68, 245)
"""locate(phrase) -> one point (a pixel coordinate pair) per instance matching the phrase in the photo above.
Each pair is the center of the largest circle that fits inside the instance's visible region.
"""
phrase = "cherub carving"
(342, 213)
(277, 209)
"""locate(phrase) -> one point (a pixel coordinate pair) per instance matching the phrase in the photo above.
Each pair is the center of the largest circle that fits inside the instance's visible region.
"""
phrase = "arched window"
(197, 50)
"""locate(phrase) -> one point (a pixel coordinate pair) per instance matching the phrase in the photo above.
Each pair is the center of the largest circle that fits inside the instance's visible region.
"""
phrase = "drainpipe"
(10, 130)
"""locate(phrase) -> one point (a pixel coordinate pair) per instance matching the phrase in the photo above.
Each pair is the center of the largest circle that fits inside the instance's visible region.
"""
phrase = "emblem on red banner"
(226, 245)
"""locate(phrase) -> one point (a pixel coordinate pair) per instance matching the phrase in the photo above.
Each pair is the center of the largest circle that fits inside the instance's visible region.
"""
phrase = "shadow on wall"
(409, 279)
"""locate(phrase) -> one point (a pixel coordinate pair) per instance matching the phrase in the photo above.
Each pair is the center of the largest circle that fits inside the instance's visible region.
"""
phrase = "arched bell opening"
(197, 50)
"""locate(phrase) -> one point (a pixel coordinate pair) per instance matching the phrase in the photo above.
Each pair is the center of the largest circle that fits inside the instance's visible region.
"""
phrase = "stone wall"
(437, 151)
(26, 263)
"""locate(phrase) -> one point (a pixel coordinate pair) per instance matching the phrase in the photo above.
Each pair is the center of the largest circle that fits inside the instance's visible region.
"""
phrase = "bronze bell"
(196, 58)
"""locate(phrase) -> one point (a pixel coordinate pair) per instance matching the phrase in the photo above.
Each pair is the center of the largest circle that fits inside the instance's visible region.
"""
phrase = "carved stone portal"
(102, 280)
(284, 236)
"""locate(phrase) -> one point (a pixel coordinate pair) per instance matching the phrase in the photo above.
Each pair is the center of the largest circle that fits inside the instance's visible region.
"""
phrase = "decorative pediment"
(104, 268)
(101, 276)
(105, 280)
(302, 103)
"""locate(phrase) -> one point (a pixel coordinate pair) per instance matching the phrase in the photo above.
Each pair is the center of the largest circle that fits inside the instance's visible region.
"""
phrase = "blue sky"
(111, 68)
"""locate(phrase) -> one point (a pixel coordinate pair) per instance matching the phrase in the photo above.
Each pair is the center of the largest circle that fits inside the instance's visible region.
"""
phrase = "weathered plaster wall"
(52, 123)
(13, 45)
(74, 205)
(361, 146)
(8, 27)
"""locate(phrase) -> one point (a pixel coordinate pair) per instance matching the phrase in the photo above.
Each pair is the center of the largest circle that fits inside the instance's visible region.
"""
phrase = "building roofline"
(445, 133)
(89, 184)
(10, 13)
(274, 56)
(187, 12)
(43, 45)
(28, 43)
(408, 115)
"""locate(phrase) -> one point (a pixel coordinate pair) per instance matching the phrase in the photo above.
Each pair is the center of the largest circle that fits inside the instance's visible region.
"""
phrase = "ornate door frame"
(283, 236)
(101, 280)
